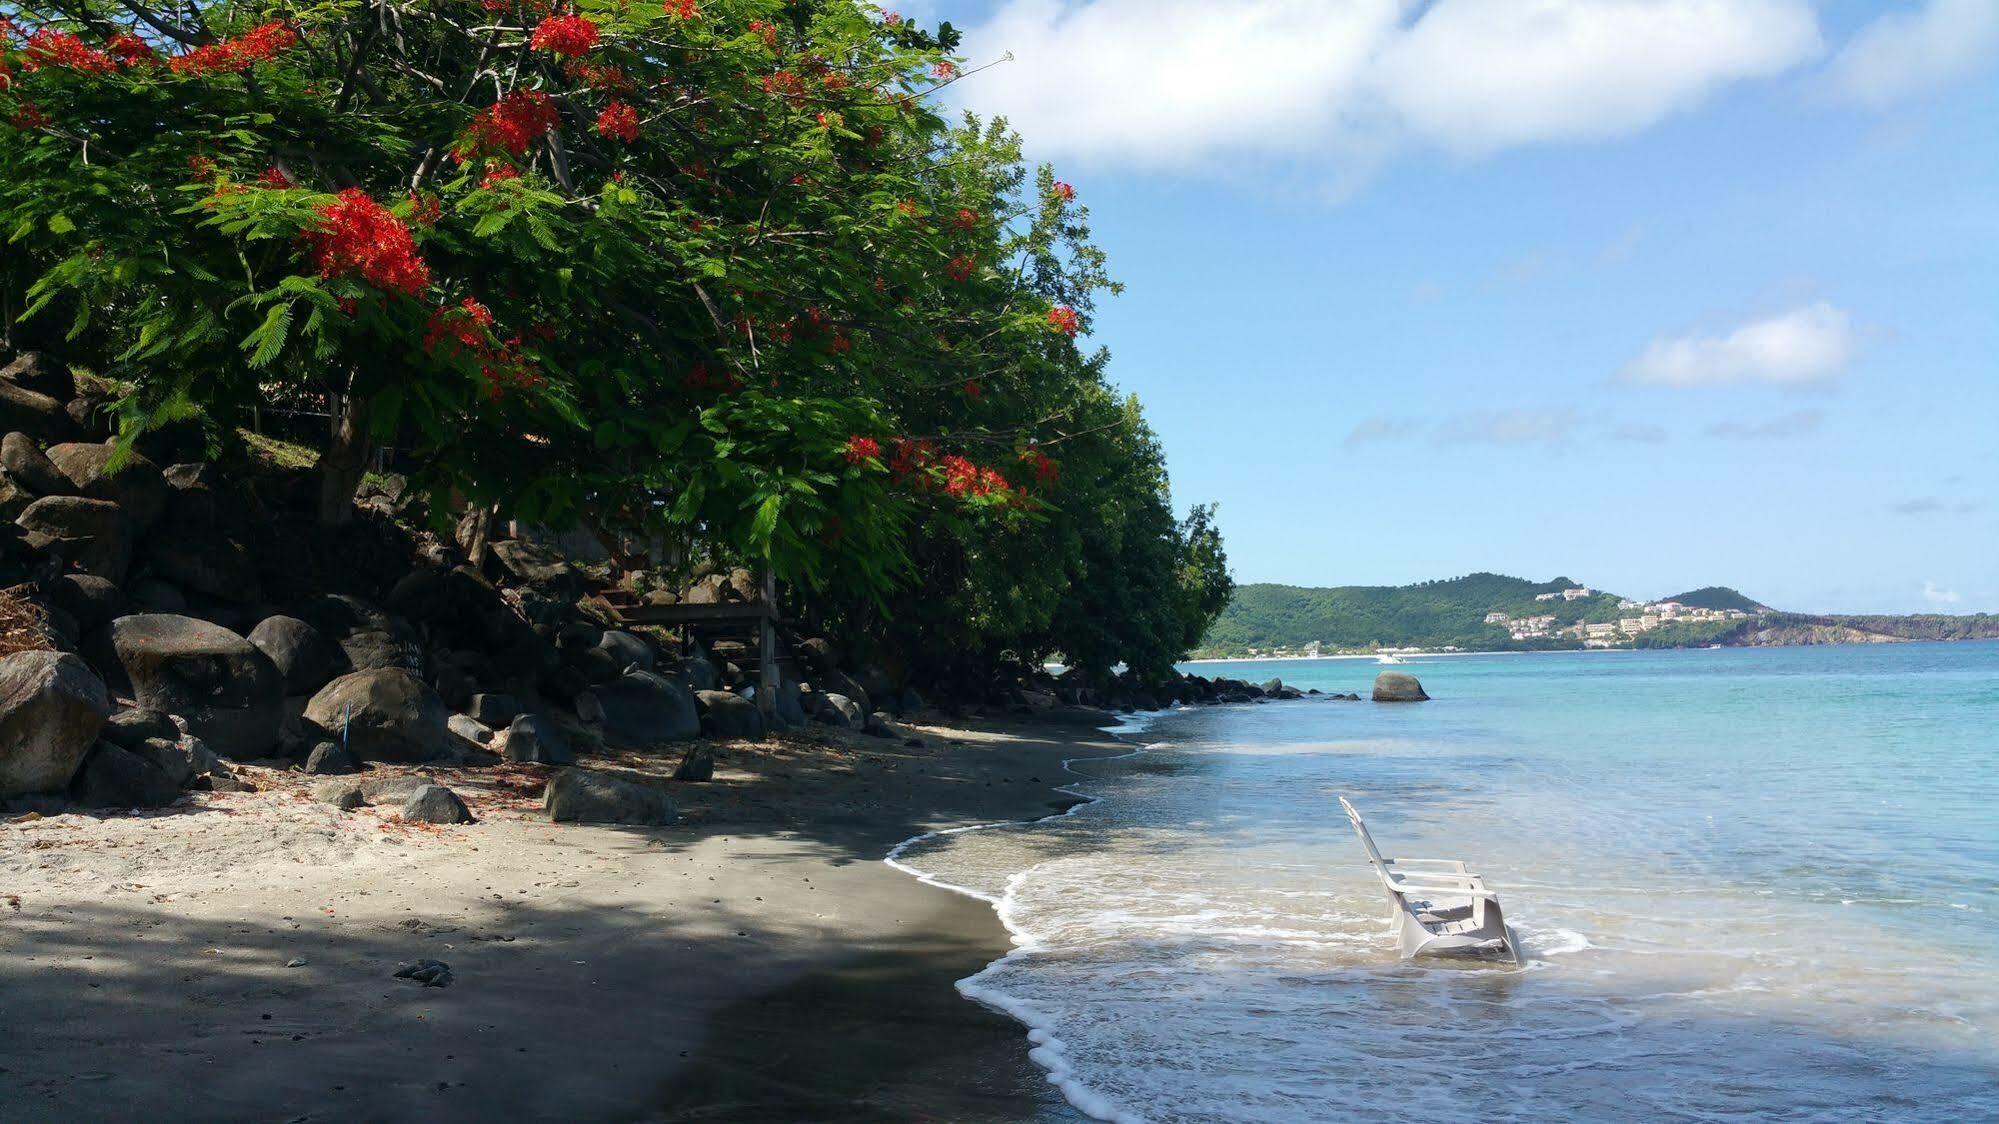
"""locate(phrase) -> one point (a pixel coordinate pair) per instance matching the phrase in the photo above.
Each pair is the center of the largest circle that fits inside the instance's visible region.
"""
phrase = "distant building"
(1650, 620)
(1628, 603)
(1633, 625)
(1497, 618)
(1546, 596)
(1604, 631)
(1577, 594)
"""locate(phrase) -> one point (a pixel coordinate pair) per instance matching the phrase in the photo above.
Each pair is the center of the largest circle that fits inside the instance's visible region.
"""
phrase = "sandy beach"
(232, 957)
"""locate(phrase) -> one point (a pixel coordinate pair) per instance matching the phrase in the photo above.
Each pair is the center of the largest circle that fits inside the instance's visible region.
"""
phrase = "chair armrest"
(1478, 892)
(1455, 864)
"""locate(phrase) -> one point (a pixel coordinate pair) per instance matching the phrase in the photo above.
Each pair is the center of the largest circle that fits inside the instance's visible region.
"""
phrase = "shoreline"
(760, 959)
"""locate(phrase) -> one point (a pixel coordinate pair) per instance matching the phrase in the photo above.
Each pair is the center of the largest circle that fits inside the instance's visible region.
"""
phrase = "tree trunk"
(343, 462)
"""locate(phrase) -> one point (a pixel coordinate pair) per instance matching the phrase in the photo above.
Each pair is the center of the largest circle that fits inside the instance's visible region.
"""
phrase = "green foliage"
(1716, 597)
(411, 214)
(1431, 614)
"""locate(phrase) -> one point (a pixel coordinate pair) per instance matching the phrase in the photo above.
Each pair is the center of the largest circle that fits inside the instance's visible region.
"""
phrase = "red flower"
(960, 268)
(497, 174)
(911, 457)
(130, 50)
(1063, 319)
(466, 326)
(426, 209)
(861, 449)
(357, 236)
(973, 390)
(50, 47)
(275, 177)
(1064, 192)
(567, 36)
(28, 115)
(682, 9)
(619, 122)
(763, 30)
(964, 220)
(511, 124)
(202, 167)
(234, 56)
(787, 85)
(1045, 470)
(945, 70)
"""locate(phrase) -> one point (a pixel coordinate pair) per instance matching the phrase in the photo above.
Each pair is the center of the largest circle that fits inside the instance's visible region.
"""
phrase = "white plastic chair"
(1447, 911)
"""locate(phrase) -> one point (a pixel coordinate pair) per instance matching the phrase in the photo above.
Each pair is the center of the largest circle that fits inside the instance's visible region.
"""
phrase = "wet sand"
(755, 962)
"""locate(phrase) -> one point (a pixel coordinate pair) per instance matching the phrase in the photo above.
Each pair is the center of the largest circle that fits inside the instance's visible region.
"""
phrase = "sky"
(1654, 294)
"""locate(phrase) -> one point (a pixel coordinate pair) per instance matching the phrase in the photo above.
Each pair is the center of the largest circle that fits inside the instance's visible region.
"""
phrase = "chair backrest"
(1366, 840)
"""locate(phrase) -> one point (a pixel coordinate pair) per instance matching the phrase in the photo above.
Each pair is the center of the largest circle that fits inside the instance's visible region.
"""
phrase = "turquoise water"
(1753, 883)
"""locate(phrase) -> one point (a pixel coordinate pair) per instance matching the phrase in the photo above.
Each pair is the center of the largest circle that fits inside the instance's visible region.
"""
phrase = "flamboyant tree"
(713, 264)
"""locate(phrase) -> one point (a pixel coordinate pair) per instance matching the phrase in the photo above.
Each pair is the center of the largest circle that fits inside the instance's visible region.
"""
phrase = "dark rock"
(14, 499)
(429, 973)
(228, 692)
(582, 796)
(305, 659)
(839, 683)
(697, 764)
(202, 559)
(493, 709)
(181, 759)
(839, 711)
(393, 790)
(877, 682)
(641, 708)
(344, 795)
(385, 714)
(726, 715)
(119, 778)
(588, 709)
(1398, 686)
(128, 728)
(135, 484)
(533, 738)
(471, 729)
(531, 565)
(880, 727)
(701, 673)
(52, 708)
(370, 638)
(42, 374)
(34, 413)
(152, 595)
(908, 702)
(92, 534)
(819, 654)
(93, 601)
(29, 467)
(434, 803)
(595, 664)
(626, 649)
(788, 707)
(331, 759)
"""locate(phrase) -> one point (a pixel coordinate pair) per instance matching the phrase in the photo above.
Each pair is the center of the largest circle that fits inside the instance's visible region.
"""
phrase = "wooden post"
(767, 644)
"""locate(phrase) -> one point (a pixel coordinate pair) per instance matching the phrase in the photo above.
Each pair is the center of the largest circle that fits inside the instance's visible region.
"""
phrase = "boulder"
(52, 708)
(537, 739)
(698, 764)
(201, 558)
(434, 803)
(331, 759)
(34, 413)
(493, 709)
(42, 374)
(128, 728)
(93, 601)
(626, 649)
(839, 711)
(181, 759)
(92, 534)
(370, 638)
(469, 728)
(344, 795)
(393, 790)
(532, 565)
(818, 654)
(385, 714)
(582, 796)
(14, 499)
(28, 466)
(725, 714)
(1398, 686)
(305, 659)
(787, 707)
(228, 692)
(119, 778)
(642, 708)
(701, 673)
(150, 594)
(134, 484)
(588, 709)
(839, 683)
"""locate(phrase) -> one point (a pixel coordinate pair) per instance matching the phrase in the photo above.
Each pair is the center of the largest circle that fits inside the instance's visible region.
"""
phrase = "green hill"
(1716, 597)
(1429, 614)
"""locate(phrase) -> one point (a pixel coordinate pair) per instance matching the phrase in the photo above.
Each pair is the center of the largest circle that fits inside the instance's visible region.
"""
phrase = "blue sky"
(1652, 293)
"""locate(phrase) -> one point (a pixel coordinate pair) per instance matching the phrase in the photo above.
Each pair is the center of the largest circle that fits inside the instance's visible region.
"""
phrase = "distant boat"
(1388, 657)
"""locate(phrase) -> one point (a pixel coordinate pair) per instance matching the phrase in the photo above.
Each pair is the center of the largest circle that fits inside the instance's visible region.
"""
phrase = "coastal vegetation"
(716, 275)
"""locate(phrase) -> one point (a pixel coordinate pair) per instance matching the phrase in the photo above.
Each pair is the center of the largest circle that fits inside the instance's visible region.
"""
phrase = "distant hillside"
(1785, 629)
(1716, 597)
(1430, 614)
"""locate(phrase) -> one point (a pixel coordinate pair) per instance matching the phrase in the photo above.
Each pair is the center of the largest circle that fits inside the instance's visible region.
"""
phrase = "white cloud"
(1200, 85)
(1804, 345)
(1907, 52)
(1937, 596)
(1798, 423)
(1519, 426)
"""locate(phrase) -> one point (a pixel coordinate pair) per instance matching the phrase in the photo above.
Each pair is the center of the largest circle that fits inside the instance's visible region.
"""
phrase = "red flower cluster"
(682, 9)
(973, 391)
(50, 47)
(275, 177)
(498, 174)
(201, 168)
(911, 457)
(1064, 192)
(130, 50)
(1063, 319)
(964, 220)
(467, 327)
(786, 85)
(357, 236)
(960, 268)
(963, 478)
(619, 122)
(861, 449)
(28, 115)
(426, 209)
(588, 73)
(699, 377)
(1045, 469)
(762, 29)
(234, 56)
(510, 125)
(567, 36)
(945, 70)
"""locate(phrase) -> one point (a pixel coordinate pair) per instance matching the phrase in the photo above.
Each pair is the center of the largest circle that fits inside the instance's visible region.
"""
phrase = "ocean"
(1751, 884)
